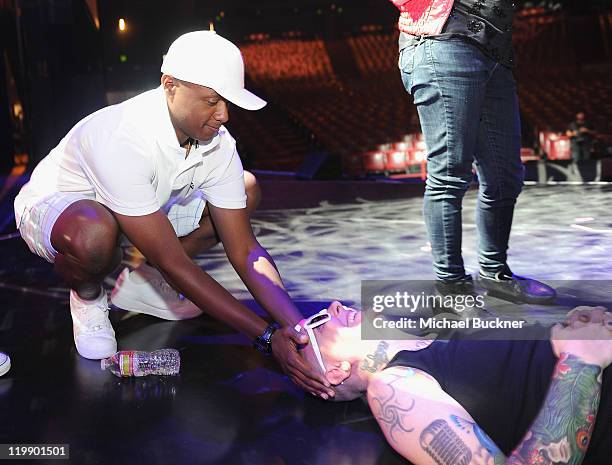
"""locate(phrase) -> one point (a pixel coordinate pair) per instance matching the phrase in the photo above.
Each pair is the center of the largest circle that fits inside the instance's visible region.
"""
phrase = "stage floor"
(231, 406)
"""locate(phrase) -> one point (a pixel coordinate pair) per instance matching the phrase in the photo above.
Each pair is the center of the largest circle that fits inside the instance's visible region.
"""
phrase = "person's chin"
(207, 134)
(205, 137)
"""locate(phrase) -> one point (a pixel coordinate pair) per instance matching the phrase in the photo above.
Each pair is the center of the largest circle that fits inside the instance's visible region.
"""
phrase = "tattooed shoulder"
(391, 409)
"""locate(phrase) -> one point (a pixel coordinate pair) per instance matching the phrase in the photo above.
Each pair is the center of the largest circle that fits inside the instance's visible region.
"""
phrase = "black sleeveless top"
(502, 384)
(486, 23)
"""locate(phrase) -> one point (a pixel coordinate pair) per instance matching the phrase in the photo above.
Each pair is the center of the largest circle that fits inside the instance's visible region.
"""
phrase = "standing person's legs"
(500, 170)
(500, 173)
(447, 79)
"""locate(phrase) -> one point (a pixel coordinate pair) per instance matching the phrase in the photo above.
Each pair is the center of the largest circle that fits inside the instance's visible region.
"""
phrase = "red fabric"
(423, 17)
(399, 3)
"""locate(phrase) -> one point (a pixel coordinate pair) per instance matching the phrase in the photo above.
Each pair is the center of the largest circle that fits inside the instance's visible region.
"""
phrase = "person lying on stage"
(477, 401)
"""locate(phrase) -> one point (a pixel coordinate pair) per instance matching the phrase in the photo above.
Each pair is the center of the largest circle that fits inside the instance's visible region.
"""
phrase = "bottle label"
(126, 363)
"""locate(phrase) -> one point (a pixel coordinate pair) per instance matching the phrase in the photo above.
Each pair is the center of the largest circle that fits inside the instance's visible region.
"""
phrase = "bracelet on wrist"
(263, 343)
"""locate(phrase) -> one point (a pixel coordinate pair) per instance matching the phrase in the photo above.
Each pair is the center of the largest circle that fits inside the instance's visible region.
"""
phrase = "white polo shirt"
(128, 158)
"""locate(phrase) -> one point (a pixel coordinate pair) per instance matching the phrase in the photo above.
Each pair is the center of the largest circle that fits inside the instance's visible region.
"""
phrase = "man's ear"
(169, 83)
(334, 307)
(338, 373)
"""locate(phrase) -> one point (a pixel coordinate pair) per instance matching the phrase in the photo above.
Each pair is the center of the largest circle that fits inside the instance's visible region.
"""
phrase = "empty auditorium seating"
(528, 154)
(374, 162)
(279, 60)
(555, 146)
(396, 161)
(560, 149)
(370, 120)
(375, 52)
(406, 158)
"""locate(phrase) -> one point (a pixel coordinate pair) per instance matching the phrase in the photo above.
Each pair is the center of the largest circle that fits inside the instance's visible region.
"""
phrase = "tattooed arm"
(428, 427)
(562, 430)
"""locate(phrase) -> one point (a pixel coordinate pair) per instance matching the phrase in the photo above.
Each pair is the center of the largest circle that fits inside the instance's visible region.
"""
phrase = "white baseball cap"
(207, 59)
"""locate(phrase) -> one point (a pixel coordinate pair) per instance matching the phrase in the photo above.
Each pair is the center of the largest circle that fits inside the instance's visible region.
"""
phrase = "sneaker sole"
(92, 355)
(130, 304)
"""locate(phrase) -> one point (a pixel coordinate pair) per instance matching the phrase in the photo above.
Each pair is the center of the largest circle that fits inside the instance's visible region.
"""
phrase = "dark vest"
(486, 23)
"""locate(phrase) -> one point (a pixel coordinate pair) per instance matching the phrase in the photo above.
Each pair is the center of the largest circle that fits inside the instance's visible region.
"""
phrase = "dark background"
(63, 59)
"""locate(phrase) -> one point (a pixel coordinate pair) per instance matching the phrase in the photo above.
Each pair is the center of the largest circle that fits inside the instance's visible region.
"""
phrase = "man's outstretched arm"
(259, 273)
(154, 236)
(253, 264)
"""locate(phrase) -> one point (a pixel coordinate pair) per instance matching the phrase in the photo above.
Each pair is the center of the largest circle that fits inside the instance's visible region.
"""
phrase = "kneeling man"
(158, 166)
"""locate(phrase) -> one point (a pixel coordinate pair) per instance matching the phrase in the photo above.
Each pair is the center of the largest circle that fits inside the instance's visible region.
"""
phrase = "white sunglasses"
(311, 323)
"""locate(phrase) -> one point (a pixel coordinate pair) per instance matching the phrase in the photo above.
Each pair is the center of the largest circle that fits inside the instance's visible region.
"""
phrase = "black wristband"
(263, 343)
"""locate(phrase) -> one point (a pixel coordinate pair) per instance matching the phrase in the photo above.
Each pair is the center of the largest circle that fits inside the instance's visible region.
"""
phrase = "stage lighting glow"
(18, 110)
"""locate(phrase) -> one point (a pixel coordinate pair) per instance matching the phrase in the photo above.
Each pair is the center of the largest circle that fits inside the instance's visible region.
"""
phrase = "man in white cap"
(162, 171)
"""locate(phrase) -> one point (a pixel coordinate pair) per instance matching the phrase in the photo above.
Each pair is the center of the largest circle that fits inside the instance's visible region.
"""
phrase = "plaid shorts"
(38, 221)
(185, 214)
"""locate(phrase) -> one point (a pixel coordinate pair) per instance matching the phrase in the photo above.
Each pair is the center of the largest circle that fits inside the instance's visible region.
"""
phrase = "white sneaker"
(5, 363)
(144, 290)
(94, 335)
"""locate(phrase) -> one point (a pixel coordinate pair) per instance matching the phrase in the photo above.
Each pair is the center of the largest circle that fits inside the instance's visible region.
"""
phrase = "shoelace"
(96, 318)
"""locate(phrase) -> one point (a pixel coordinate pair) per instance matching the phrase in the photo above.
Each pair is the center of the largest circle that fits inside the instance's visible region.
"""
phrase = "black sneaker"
(518, 289)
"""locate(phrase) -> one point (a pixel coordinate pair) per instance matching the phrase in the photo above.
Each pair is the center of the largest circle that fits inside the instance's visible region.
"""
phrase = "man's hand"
(284, 347)
(587, 335)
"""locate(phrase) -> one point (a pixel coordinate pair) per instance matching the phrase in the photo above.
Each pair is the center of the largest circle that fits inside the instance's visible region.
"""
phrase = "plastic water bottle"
(137, 363)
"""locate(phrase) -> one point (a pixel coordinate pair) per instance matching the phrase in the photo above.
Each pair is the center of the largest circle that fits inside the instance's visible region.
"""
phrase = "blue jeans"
(468, 108)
